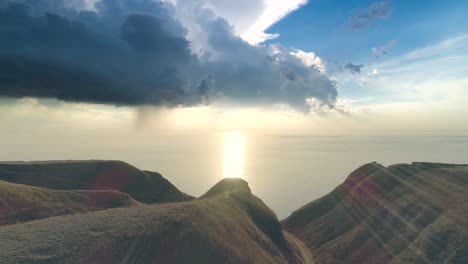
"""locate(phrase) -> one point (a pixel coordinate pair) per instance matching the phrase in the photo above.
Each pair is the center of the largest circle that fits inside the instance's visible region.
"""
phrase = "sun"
(234, 155)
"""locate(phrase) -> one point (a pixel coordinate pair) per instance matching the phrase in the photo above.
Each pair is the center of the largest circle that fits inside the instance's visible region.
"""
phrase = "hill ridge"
(403, 213)
(144, 186)
(230, 225)
(23, 203)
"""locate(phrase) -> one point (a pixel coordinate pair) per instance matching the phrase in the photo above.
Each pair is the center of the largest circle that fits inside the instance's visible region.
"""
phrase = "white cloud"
(89, 4)
(425, 89)
(274, 11)
(382, 50)
(445, 46)
(437, 69)
(309, 59)
(250, 18)
(374, 73)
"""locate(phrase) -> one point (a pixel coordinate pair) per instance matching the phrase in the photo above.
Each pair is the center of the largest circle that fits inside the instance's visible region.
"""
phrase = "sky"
(295, 66)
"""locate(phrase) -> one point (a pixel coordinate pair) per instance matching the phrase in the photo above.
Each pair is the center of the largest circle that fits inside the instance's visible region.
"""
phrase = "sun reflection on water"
(234, 155)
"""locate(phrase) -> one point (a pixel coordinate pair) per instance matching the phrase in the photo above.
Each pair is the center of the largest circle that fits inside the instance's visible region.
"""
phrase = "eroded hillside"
(406, 213)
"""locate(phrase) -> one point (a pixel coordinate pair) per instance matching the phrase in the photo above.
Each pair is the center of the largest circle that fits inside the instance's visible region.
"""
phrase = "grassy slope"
(21, 203)
(227, 225)
(405, 213)
(144, 186)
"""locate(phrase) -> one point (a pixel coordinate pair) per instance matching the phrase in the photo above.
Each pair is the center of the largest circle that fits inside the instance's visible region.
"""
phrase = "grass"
(406, 213)
(228, 225)
(85, 212)
(21, 203)
(143, 186)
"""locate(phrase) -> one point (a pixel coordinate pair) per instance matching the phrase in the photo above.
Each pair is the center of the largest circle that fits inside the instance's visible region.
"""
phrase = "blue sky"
(409, 28)
(322, 27)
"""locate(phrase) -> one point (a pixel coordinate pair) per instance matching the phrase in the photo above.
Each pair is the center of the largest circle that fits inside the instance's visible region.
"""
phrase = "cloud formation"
(366, 16)
(353, 68)
(274, 11)
(251, 18)
(309, 59)
(383, 50)
(127, 52)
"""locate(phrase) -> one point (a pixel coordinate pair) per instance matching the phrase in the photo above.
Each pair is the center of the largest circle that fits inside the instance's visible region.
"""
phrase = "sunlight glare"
(234, 155)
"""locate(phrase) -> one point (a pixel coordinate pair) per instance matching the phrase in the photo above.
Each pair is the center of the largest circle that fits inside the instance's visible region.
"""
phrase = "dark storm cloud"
(129, 52)
(132, 59)
(366, 16)
(353, 68)
(261, 74)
